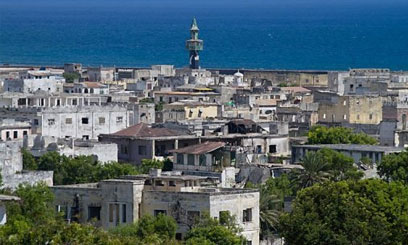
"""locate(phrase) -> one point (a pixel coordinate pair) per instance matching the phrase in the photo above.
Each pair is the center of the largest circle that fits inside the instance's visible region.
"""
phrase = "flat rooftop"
(353, 147)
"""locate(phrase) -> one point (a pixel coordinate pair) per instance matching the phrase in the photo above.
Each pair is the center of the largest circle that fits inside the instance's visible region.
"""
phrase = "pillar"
(153, 148)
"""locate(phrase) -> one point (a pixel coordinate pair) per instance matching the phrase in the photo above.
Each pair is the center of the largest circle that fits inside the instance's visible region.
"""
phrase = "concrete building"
(350, 109)
(102, 152)
(34, 81)
(189, 110)
(174, 96)
(101, 74)
(73, 68)
(203, 157)
(142, 141)
(86, 88)
(123, 201)
(12, 129)
(11, 165)
(373, 152)
(293, 78)
(85, 122)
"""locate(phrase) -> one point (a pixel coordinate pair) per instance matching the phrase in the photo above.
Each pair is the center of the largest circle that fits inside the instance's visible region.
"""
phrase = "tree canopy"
(209, 231)
(394, 167)
(338, 135)
(81, 169)
(348, 212)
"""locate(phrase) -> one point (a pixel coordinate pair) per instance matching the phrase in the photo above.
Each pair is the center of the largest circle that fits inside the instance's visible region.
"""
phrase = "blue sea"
(269, 34)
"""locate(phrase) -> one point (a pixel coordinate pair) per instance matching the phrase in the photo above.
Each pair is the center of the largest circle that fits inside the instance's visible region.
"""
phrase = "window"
(74, 102)
(119, 119)
(123, 213)
(272, 148)
(190, 159)
(203, 160)
(68, 120)
(85, 137)
(51, 122)
(324, 116)
(344, 103)
(25, 132)
(111, 206)
(123, 149)
(371, 116)
(15, 134)
(101, 120)
(180, 159)
(114, 213)
(247, 215)
(7, 134)
(85, 120)
(142, 150)
(159, 211)
(358, 117)
(94, 213)
(345, 117)
(258, 149)
(172, 183)
(158, 183)
(35, 121)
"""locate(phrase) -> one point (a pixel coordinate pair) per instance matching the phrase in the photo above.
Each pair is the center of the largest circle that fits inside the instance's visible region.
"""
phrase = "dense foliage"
(324, 165)
(149, 230)
(209, 231)
(81, 169)
(348, 212)
(394, 167)
(85, 169)
(71, 77)
(338, 135)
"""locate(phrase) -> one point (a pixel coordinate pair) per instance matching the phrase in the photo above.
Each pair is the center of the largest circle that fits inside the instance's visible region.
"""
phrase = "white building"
(34, 81)
(123, 201)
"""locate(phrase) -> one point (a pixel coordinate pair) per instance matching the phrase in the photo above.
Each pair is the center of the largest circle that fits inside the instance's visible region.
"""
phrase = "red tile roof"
(144, 130)
(206, 147)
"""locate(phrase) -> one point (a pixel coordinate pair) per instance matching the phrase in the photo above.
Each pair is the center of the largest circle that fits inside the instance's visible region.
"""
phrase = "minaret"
(194, 45)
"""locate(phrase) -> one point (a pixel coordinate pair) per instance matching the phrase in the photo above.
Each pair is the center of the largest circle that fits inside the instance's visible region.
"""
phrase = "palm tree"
(315, 170)
(269, 210)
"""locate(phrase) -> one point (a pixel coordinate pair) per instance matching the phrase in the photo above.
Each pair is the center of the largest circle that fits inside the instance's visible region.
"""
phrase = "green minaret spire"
(194, 45)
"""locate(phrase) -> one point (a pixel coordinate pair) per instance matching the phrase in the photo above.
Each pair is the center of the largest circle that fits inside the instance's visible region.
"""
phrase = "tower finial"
(194, 25)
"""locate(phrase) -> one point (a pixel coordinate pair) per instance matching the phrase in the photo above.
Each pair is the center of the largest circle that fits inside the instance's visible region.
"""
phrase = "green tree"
(149, 230)
(269, 211)
(340, 166)
(29, 162)
(394, 167)
(280, 187)
(71, 77)
(348, 212)
(148, 164)
(210, 231)
(315, 170)
(82, 169)
(338, 135)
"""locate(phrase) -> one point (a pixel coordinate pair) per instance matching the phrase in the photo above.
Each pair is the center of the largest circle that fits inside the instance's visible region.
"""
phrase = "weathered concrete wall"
(84, 121)
(11, 164)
